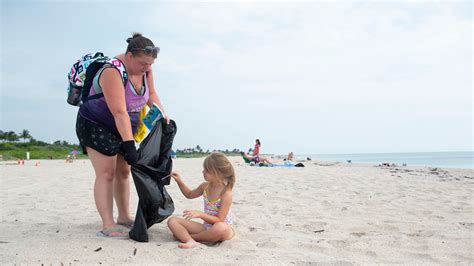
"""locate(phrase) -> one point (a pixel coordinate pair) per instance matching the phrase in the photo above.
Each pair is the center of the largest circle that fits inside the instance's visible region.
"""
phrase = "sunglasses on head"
(148, 50)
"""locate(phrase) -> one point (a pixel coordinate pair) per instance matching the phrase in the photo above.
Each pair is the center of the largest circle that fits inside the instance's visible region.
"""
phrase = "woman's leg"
(218, 232)
(264, 159)
(182, 229)
(122, 190)
(248, 157)
(104, 167)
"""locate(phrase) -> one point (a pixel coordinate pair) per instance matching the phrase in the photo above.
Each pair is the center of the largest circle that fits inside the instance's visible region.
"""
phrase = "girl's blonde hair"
(218, 165)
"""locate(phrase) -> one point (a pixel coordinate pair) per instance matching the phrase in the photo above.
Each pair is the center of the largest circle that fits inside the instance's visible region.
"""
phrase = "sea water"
(463, 159)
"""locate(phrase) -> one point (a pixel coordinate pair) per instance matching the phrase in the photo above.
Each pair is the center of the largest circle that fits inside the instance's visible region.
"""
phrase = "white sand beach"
(322, 213)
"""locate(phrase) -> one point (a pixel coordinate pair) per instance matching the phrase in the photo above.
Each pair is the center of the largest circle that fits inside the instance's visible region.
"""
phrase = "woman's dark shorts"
(97, 137)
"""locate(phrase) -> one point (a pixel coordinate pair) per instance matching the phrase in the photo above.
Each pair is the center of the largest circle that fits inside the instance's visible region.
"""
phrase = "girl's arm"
(110, 81)
(153, 95)
(187, 192)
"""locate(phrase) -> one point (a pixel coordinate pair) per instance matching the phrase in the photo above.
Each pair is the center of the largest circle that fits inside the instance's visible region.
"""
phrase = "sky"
(309, 77)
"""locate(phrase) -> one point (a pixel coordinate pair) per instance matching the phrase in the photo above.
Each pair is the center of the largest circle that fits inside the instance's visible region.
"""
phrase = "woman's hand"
(176, 176)
(190, 214)
(167, 118)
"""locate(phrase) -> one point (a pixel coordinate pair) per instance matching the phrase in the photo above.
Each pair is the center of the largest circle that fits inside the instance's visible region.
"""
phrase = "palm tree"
(3, 135)
(12, 136)
(25, 134)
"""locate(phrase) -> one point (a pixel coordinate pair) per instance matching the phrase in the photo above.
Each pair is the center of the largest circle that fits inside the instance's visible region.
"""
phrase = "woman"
(105, 128)
(256, 157)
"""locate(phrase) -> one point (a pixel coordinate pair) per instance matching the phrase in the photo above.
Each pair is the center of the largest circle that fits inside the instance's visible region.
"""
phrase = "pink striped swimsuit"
(212, 208)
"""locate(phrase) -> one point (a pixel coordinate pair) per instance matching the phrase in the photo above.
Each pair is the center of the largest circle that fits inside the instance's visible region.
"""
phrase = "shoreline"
(278, 158)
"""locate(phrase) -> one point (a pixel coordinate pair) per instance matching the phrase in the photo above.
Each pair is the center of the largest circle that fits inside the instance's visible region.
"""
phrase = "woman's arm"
(153, 95)
(112, 86)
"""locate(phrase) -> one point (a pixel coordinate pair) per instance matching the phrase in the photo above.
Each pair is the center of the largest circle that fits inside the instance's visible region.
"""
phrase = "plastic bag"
(150, 175)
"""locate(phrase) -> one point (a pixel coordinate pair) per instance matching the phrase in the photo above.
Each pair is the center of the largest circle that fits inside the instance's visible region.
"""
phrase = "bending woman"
(105, 128)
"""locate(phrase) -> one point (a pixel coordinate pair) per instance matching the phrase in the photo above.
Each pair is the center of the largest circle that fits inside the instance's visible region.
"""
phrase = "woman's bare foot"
(190, 244)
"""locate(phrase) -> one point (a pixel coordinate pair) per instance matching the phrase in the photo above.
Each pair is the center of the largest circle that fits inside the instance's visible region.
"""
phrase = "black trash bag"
(150, 175)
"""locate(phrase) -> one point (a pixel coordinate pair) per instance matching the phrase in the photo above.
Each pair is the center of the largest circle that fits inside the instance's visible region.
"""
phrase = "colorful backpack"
(82, 74)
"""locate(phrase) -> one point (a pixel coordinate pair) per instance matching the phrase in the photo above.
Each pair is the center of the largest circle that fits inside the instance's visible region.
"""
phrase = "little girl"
(219, 179)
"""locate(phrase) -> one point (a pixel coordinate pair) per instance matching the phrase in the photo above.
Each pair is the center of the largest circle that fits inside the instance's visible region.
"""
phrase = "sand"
(322, 213)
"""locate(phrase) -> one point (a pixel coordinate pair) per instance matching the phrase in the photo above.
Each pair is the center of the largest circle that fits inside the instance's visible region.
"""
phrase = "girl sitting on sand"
(219, 179)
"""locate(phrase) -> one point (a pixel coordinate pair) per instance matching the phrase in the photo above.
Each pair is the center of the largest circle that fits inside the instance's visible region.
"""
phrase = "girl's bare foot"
(190, 244)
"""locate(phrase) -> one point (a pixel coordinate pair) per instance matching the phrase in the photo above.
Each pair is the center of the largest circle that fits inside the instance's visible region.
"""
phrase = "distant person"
(289, 161)
(256, 157)
(105, 127)
(219, 179)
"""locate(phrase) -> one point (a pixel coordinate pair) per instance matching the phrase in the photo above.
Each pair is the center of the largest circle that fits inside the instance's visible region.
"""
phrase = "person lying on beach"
(255, 159)
(219, 179)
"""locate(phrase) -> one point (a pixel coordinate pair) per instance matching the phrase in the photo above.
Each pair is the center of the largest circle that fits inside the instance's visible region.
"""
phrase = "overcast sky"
(312, 78)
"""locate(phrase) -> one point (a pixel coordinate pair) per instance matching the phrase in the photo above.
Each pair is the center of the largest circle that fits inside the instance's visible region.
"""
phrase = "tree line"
(11, 136)
(198, 149)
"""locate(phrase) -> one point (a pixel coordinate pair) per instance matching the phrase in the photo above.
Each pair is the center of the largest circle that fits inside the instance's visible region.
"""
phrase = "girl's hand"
(175, 176)
(190, 214)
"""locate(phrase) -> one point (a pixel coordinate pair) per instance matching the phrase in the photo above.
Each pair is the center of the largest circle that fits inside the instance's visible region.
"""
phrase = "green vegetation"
(199, 152)
(38, 150)
(11, 148)
(204, 154)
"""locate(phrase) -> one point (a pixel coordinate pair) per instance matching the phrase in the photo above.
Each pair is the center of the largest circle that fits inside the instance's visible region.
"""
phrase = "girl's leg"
(218, 232)
(122, 190)
(104, 167)
(182, 229)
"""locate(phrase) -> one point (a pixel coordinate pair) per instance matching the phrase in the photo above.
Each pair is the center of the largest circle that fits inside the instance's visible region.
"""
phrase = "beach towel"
(150, 175)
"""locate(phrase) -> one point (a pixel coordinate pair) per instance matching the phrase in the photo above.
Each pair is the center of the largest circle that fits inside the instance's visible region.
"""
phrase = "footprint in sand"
(313, 226)
(267, 244)
(388, 227)
(467, 224)
(371, 253)
(358, 234)
(339, 243)
(252, 229)
(423, 257)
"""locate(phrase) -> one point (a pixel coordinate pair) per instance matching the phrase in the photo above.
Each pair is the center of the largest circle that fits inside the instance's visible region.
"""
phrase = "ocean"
(463, 159)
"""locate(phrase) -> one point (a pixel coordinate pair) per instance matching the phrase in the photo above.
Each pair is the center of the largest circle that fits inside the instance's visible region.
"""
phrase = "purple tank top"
(96, 110)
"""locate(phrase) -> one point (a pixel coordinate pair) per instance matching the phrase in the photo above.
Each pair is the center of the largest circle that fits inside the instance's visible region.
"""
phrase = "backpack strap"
(120, 66)
(115, 63)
